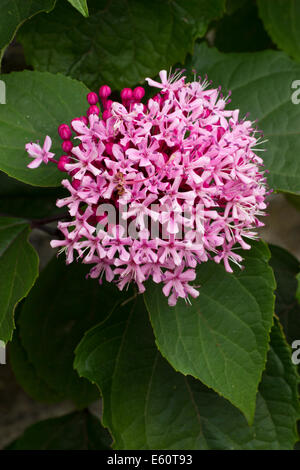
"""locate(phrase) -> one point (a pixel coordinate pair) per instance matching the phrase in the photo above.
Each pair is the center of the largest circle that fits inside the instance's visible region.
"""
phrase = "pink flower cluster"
(181, 162)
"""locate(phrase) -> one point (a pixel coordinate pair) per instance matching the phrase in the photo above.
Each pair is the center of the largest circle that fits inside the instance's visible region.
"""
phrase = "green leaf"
(233, 5)
(22, 200)
(226, 327)
(121, 43)
(36, 104)
(76, 431)
(26, 375)
(282, 21)
(51, 329)
(241, 30)
(13, 15)
(18, 270)
(147, 405)
(261, 84)
(81, 6)
(298, 289)
(286, 267)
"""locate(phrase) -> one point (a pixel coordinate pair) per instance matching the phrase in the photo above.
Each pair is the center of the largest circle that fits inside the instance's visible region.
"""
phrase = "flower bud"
(93, 110)
(92, 98)
(104, 91)
(67, 146)
(126, 94)
(64, 159)
(106, 114)
(138, 93)
(64, 132)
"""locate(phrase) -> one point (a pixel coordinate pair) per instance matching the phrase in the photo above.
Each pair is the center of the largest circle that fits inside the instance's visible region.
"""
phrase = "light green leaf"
(222, 338)
(261, 84)
(18, 270)
(147, 405)
(81, 6)
(36, 104)
(121, 43)
(282, 21)
(13, 15)
(76, 431)
(50, 329)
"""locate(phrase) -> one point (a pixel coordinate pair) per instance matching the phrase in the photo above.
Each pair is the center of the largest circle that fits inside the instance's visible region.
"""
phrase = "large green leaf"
(147, 405)
(36, 104)
(261, 84)
(13, 15)
(18, 270)
(76, 431)
(60, 308)
(222, 338)
(121, 43)
(81, 6)
(282, 21)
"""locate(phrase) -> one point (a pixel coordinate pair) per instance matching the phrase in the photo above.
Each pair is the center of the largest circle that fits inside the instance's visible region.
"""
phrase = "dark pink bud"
(92, 98)
(84, 119)
(106, 114)
(104, 91)
(67, 146)
(138, 93)
(126, 94)
(64, 159)
(76, 184)
(93, 110)
(220, 132)
(64, 132)
(108, 148)
(108, 104)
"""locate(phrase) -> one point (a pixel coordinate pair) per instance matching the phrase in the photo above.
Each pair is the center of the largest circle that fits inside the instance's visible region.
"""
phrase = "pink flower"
(156, 189)
(38, 153)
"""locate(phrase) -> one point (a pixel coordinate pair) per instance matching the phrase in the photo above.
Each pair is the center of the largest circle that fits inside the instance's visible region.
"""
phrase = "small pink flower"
(38, 153)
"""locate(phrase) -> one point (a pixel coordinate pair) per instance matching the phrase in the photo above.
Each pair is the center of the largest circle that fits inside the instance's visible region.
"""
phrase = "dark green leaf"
(76, 431)
(147, 405)
(121, 43)
(286, 267)
(261, 84)
(241, 30)
(18, 270)
(13, 15)
(36, 104)
(26, 375)
(282, 21)
(226, 327)
(54, 317)
(22, 200)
